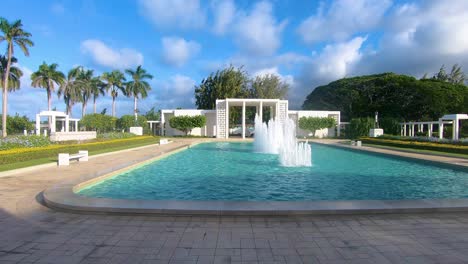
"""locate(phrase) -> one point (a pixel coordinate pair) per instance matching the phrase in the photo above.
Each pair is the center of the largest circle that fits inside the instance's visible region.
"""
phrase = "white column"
(227, 119)
(67, 124)
(261, 111)
(455, 129)
(243, 120)
(52, 125)
(412, 130)
(338, 128)
(429, 130)
(404, 129)
(38, 125)
(76, 125)
(441, 130)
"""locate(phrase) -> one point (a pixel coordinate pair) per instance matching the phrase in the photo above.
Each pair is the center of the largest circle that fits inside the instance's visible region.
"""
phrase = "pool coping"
(63, 197)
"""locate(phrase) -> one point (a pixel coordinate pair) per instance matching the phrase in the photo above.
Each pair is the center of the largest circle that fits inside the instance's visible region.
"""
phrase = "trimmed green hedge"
(8, 157)
(449, 148)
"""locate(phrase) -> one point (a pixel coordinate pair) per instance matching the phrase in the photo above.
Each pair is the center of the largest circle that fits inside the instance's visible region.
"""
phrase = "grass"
(103, 149)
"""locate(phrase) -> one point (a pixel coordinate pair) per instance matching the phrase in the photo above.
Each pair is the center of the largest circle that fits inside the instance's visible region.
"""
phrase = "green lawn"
(102, 149)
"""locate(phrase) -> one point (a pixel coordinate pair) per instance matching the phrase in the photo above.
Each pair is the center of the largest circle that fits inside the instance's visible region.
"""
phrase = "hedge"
(449, 148)
(25, 154)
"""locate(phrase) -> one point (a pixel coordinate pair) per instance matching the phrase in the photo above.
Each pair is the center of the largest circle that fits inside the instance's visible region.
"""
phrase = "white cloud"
(177, 51)
(258, 33)
(173, 13)
(106, 56)
(177, 91)
(224, 12)
(335, 61)
(342, 19)
(289, 79)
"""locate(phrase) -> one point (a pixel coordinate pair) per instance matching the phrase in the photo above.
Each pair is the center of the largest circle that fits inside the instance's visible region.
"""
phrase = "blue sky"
(307, 43)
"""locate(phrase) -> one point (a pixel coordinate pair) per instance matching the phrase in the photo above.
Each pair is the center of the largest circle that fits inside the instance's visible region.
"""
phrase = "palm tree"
(85, 78)
(114, 82)
(97, 89)
(13, 34)
(70, 89)
(14, 81)
(48, 77)
(138, 86)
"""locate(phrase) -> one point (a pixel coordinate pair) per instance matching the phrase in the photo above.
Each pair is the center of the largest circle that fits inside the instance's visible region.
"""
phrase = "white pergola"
(445, 120)
(151, 123)
(279, 109)
(55, 116)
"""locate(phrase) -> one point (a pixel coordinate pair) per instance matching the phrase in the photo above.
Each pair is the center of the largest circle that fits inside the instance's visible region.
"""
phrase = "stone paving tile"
(31, 233)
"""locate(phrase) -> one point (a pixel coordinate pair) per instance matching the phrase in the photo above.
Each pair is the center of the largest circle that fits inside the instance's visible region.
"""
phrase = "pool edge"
(63, 197)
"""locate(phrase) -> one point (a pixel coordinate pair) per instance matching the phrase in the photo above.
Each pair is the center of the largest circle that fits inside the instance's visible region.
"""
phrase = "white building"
(217, 121)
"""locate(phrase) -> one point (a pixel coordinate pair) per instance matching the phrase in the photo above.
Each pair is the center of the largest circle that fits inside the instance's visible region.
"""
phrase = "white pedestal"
(375, 132)
(137, 131)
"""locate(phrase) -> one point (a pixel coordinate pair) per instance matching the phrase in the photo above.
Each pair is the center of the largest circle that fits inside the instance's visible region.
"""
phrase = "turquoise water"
(231, 171)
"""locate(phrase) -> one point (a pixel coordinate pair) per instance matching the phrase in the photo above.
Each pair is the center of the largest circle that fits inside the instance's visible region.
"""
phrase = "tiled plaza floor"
(32, 233)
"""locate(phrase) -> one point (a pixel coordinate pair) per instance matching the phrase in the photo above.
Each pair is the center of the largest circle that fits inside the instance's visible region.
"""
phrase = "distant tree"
(395, 96)
(312, 124)
(14, 80)
(87, 80)
(114, 82)
(103, 112)
(48, 77)
(269, 86)
(98, 122)
(138, 86)
(14, 35)
(97, 89)
(187, 123)
(227, 83)
(456, 75)
(152, 114)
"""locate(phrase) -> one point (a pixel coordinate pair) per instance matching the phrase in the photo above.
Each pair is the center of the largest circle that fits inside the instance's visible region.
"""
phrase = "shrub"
(99, 123)
(390, 125)
(359, 127)
(17, 124)
(187, 123)
(316, 123)
(127, 121)
(115, 135)
(12, 142)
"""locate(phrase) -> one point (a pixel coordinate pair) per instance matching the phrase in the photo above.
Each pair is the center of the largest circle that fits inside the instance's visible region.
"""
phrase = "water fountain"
(280, 138)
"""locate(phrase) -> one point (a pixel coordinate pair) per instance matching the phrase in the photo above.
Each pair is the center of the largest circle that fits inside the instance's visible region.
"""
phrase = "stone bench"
(64, 158)
(163, 141)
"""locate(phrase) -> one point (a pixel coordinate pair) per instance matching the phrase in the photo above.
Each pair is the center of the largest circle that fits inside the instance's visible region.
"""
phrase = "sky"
(180, 42)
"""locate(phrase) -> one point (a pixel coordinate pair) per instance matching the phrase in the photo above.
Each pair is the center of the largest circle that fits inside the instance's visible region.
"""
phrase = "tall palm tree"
(114, 82)
(138, 86)
(13, 34)
(85, 78)
(70, 89)
(97, 89)
(14, 81)
(48, 77)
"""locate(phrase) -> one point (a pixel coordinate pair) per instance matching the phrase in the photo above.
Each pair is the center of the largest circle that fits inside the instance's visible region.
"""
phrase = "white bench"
(64, 158)
(163, 141)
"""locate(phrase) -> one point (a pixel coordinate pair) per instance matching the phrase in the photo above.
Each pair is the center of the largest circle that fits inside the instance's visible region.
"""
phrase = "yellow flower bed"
(452, 148)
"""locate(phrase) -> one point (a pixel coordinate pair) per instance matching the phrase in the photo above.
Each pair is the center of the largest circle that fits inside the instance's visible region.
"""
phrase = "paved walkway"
(32, 233)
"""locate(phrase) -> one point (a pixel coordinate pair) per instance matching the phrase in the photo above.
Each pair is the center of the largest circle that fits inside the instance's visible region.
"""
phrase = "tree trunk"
(113, 106)
(135, 108)
(49, 102)
(94, 102)
(5, 91)
(83, 110)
